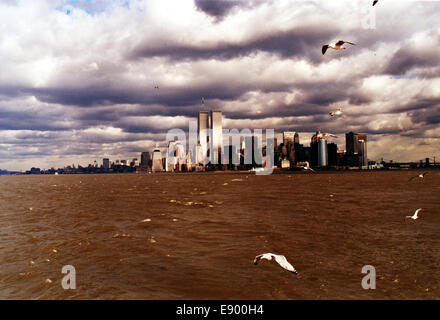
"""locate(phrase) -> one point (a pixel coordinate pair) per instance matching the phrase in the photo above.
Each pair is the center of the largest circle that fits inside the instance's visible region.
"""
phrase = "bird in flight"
(281, 260)
(325, 135)
(307, 168)
(338, 45)
(337, 112)
(415, 216)
(374, 2)
(421, 176)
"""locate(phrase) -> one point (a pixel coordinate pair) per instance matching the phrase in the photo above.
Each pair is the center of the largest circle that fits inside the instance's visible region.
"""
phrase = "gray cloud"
(220, 8)
(299, 42)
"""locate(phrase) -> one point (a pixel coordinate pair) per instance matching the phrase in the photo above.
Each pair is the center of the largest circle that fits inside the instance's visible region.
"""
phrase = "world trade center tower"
(203, 134)
(217, 136)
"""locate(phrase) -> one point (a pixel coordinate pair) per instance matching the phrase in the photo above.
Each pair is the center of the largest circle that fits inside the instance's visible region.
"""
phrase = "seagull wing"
(350, 43)
(416, 213)
(282, 261)
(424, 173)
(324, 48)
(374, 2)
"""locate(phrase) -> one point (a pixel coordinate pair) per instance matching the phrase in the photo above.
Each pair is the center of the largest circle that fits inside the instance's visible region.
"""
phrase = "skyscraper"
(322, 152)
(202, 132)
(351, 143)
(288, 136)
(362, 147)
(332, 154)
(157, 161)
(145, 159)
(356, 145)
(106, 163)
(296, 138)
(217, 136)
(289, 143)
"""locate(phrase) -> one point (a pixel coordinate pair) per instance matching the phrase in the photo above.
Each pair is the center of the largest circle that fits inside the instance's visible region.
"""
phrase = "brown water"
(205, 230)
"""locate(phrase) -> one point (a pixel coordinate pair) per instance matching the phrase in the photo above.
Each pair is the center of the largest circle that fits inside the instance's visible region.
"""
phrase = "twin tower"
(209, 123)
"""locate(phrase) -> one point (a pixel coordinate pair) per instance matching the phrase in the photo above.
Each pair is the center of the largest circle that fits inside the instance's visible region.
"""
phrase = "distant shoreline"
(238, 172)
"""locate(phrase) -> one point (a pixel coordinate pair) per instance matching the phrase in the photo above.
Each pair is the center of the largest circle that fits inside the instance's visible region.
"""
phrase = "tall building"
(296, 138)
(314, 150)
(145, 159)
(332, 154)
(171, 158)
(363, 161)
(288, 136)
(202, 132)
(351, 143)
(289, 143)
(356, 145)
(362, 147)
(322, 152)
(106, 163)
(157, 161)
(217, 136)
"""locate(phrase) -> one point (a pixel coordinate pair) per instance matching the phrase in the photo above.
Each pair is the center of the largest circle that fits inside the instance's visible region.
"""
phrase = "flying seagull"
(281, 260)
(325, 135)
(374, 2)
(338, 45)
(421, 176)
(338, 112)
(415, 216)
(308, 168)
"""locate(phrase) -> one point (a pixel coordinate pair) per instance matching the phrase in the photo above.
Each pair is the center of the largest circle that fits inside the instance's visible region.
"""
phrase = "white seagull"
(337, 45)
(421, 176)
(325, 135)
(337, 112)
(281, 260)
(415, 216)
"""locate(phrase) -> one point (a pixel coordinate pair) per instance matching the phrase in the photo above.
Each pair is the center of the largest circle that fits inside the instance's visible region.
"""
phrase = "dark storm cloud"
(429, 114)
(166, 96)
(220, 8)
(19, 120)
(421, 53)
(217, 8)
(406, 59)
(300, 42)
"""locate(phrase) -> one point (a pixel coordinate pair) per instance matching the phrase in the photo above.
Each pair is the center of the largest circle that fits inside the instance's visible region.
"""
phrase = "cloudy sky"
(77, 77)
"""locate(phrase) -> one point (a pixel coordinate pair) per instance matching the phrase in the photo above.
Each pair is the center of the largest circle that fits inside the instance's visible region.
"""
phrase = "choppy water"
(194, 236)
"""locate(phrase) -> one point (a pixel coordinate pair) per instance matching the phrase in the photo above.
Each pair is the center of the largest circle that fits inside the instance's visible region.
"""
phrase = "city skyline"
(93, 80)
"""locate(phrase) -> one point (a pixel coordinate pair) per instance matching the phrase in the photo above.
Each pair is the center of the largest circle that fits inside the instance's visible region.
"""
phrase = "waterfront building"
(322, 152)
(217, 136)
(106, 163)
(203, 133)
(356, 145)
(157, 161)
(145, 159)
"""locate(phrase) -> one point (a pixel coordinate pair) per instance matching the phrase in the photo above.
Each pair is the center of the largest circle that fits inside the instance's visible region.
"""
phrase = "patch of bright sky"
(91, 6)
